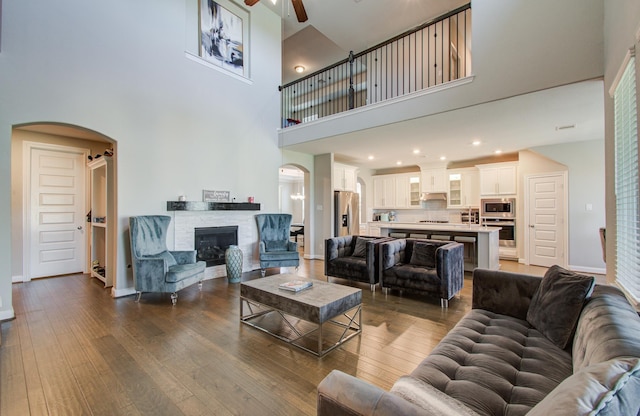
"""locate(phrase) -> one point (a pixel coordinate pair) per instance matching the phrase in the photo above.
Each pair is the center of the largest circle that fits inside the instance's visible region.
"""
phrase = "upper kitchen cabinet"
(464, 189)
(407, 190)
(384, 191)
(434, 180)
(344, 177)
(498, 179)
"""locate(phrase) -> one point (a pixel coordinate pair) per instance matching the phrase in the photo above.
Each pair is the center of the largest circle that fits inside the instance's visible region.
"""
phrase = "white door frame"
(27, 147)
(565, 195)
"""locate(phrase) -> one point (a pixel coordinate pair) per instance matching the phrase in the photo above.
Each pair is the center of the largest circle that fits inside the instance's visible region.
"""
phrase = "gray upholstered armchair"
(423, 266)
(275, 248)
(156, 269)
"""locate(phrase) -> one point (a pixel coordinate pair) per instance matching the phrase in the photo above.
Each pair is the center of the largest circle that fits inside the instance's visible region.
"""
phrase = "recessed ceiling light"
(498, 151)
(443, 158)
(416, 151)
(274, 2)
(299, 68)
(370, 157)
(476, 142)
(399, 162)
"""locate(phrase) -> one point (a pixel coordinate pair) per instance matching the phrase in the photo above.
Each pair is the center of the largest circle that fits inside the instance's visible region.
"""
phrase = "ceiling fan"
(301, 13)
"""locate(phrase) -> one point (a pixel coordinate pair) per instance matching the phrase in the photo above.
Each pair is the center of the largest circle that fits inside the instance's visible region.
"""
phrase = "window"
(627, 181)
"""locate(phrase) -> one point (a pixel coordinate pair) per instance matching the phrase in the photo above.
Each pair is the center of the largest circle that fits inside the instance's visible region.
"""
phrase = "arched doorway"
(50, 198)
(293, 193)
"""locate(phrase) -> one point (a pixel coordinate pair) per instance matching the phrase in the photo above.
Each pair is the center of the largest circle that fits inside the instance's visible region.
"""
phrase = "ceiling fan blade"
(250, 2)
(301, 13)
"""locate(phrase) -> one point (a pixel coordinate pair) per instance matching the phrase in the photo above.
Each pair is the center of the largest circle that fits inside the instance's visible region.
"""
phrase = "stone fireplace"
(210, 243)
(186, 222)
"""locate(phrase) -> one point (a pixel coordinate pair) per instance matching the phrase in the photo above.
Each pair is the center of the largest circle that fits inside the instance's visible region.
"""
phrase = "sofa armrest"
(184, 257)
(342, 394)
(391, 253)
(506, 293)
(450, 268)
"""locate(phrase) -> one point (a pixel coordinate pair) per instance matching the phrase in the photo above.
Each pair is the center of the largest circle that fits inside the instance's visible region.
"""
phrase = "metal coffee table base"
(298, 329)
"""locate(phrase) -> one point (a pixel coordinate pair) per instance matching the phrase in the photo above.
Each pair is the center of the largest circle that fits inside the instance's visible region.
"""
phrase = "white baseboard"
(7, 314)
(17, 279)
(581, 269)
(313, 257)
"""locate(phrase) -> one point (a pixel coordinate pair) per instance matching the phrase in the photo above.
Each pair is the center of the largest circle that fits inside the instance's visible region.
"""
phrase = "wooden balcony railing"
(434, 53)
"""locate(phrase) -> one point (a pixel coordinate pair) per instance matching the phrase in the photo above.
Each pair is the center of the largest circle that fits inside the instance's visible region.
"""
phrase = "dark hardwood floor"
(74, 350)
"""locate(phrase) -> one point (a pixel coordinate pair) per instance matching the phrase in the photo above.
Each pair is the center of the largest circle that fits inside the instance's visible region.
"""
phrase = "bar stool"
(422, 236)
(398, 235)
(440, 237)
(469, 240)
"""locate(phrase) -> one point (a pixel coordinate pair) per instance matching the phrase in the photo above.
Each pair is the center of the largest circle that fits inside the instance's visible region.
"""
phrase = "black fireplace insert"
(211, 243)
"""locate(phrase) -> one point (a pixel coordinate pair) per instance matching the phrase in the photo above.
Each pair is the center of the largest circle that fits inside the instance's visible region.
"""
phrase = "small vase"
(233, 259)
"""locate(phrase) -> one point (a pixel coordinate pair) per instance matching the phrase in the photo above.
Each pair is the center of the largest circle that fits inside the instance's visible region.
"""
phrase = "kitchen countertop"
(474, 228)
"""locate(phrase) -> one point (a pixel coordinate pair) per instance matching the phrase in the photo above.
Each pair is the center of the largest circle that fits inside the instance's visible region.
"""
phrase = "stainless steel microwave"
(498, 208)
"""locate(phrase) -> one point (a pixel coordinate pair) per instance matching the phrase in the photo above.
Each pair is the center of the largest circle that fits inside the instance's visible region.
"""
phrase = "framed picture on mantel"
(215, 196)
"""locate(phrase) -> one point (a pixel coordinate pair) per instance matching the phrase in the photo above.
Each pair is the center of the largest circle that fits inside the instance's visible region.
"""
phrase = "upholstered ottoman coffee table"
(317, 319)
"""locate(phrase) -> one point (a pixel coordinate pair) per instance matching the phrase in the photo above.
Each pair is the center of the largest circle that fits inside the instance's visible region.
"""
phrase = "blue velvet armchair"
(275, 249)
(156, 269)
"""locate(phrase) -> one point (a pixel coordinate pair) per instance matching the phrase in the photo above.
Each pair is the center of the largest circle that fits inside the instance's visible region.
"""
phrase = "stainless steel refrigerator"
(347, 213)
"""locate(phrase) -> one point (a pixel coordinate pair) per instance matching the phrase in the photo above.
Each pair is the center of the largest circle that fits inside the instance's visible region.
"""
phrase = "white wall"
(621, 25)
(586, 185)
(119, 68)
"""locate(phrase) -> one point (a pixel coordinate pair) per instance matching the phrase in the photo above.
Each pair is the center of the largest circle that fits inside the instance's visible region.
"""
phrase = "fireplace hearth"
(211, 243)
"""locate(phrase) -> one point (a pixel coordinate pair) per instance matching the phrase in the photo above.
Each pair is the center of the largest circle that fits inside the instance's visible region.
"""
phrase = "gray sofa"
(581, 357)
(422, 266)
(353, 257)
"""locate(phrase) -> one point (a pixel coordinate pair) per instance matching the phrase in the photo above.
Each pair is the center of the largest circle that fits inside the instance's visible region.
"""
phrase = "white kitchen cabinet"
(498, 179)
(384, 188)
(374, 230)
(434, 180)
(464, 188)
(344, 177)
(102, 219)
(397, 191)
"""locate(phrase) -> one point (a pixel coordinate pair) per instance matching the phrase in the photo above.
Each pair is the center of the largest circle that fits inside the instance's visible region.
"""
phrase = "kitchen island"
(486, 247)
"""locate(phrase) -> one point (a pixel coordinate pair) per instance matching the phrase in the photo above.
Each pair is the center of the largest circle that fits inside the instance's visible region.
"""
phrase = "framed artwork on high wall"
(224, 35)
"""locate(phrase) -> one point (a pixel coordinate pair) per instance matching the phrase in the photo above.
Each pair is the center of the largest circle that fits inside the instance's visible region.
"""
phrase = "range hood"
(433, 196)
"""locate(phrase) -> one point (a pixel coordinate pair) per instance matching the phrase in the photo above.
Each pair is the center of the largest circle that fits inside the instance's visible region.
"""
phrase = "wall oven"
(507, 235)
(498, 208)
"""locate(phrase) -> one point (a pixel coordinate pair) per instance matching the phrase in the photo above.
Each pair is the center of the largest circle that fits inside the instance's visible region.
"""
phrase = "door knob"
(80, 227)
(532, 226)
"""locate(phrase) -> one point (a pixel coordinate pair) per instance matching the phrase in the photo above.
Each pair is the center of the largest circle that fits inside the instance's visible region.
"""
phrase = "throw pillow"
(608, 388)
(360, 249)
(556, 305)
(424, 254)
(276, 245)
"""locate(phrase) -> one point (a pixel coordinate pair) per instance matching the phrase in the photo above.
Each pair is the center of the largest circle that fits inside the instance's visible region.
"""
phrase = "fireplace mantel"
(211, 206)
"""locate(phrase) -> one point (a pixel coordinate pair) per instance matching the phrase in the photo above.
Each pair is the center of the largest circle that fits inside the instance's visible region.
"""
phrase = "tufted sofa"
(423, 266)
(495, 362)
(353, 257)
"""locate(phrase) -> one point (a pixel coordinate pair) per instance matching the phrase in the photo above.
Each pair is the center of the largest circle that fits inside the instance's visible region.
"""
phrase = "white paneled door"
(547, 222)
(57, 212)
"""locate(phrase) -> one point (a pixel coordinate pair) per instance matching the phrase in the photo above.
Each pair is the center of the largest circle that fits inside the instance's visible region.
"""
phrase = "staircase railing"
(434, 53)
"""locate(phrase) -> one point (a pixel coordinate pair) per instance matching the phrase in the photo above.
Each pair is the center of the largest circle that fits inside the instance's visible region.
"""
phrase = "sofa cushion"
(424, 254)
(276, 245)
(181, 272)
(495, 364)
(608, 388)
(556, 305)
(350, 267)
(360, 249)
